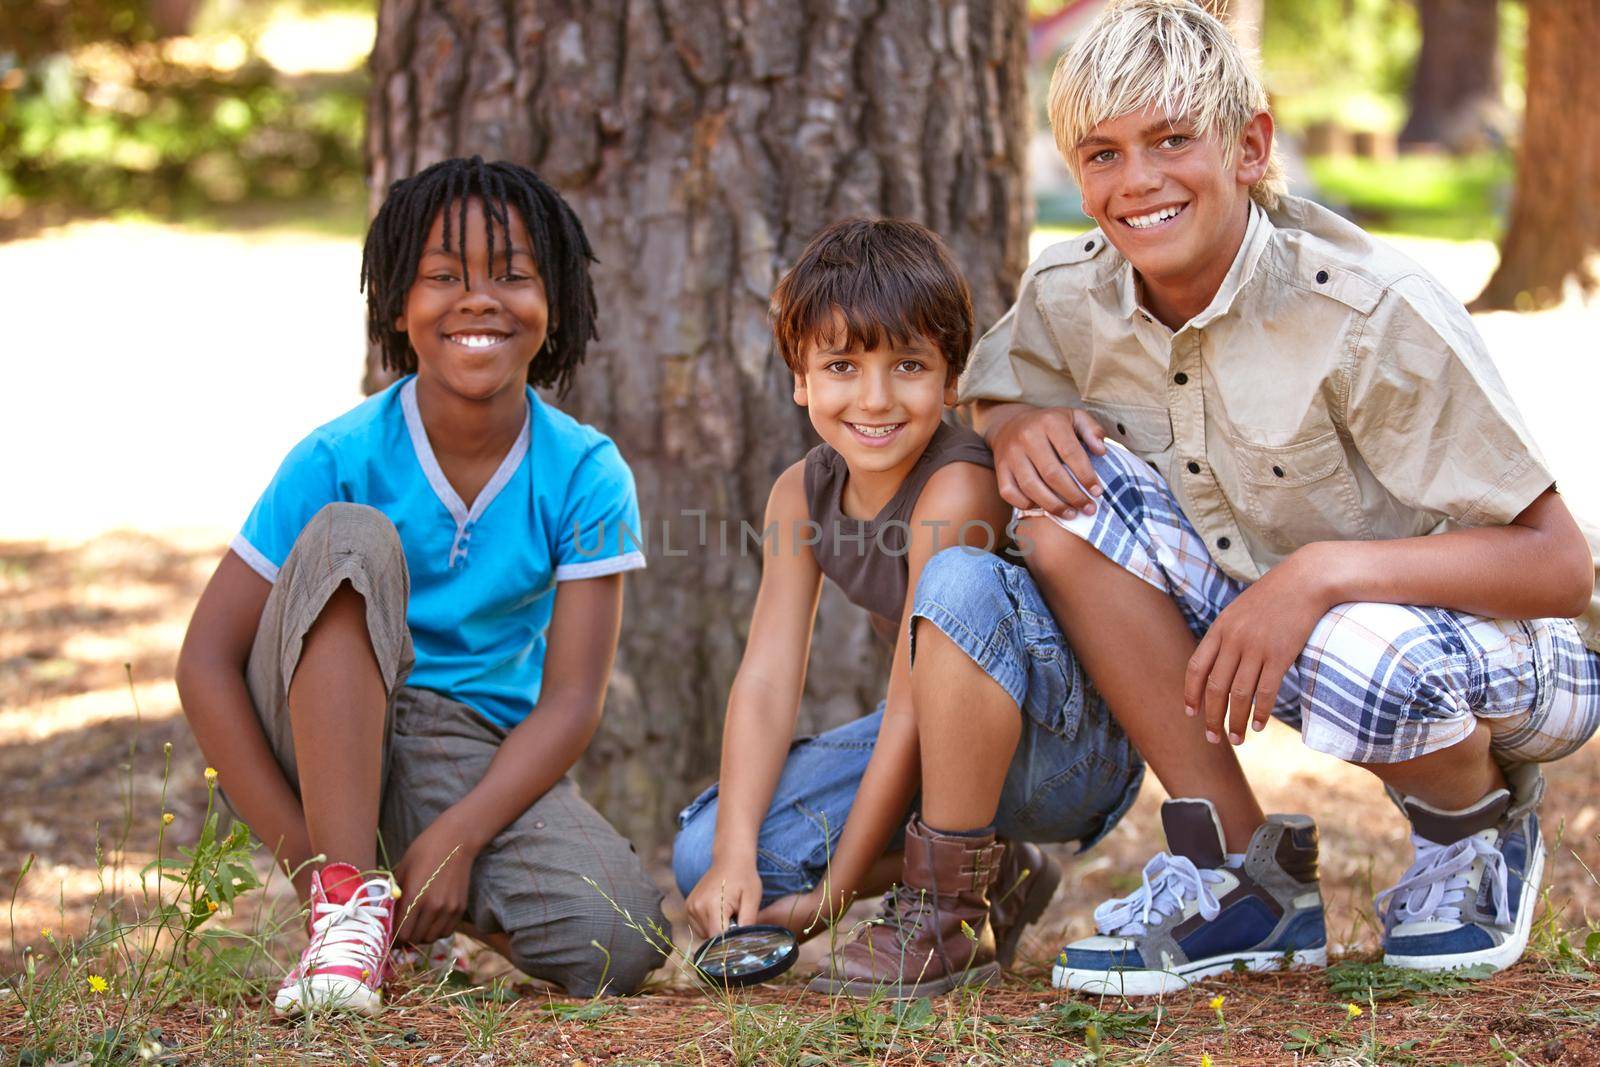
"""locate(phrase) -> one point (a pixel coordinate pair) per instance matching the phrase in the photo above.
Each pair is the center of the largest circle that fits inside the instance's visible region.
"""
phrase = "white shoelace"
(1168, 881)
(352, 934)
(1435, 886)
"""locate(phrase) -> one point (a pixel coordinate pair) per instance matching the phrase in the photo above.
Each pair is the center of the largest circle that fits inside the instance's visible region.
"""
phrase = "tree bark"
(702, 142)
(1554, 230)
(1455, 89)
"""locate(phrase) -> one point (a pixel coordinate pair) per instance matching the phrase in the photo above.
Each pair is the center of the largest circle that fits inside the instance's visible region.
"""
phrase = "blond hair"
(1168, 55)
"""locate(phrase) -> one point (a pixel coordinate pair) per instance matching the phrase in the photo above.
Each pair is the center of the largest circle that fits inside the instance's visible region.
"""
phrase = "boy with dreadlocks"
(409, 641)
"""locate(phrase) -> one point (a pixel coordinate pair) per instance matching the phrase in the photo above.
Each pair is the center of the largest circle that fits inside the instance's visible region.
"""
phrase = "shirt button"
(1181, 378)
(1224, 544)
(1322, 277)
(1194, 468)
(1088, 246)
(1123, 430)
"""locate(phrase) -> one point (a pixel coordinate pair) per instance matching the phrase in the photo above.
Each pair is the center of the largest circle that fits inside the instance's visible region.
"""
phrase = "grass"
(1459, 199)
(181, 951)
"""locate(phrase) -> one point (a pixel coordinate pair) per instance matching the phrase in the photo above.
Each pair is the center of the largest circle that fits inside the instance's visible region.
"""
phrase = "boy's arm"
(584, 626)
(1038, 452)
(211, 686)
(763, 705)
(956, 496)
(1426, 409)
(1536, 567)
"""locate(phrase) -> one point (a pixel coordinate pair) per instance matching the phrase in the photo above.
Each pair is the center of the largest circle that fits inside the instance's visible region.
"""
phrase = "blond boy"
(1269, 469)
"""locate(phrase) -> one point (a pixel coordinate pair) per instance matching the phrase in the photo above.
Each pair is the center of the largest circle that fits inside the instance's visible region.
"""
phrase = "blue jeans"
(1072, 777)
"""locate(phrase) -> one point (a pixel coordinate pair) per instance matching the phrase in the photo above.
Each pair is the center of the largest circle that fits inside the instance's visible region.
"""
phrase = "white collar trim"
(463, 516)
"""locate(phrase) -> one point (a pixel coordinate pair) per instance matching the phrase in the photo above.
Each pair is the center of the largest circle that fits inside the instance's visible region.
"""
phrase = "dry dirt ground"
(136, 433)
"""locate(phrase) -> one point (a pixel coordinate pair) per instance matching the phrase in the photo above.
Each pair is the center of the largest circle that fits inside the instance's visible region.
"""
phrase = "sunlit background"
(181, 205)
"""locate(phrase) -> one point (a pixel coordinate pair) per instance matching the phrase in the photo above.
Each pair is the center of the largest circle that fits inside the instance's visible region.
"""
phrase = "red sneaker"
(346, 961)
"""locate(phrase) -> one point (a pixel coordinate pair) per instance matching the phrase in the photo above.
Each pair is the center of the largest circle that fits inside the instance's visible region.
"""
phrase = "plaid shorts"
(1377, 683)
(533, 880)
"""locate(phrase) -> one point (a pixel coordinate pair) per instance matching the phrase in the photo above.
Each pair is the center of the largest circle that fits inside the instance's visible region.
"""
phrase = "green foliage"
(1347, 61)
(1460, 198)
(97, 998)
(1362, 983)
(126, 127)
(1069, 1018)
(30, 31)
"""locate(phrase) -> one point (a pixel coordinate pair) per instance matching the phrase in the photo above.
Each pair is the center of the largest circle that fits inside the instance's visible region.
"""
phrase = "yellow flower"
(211, 775)
(166, 818)
(97, 983)
(211, 905)
(1205, 1057)
(1353, 1010)
(44, 932)
(1216, 1002)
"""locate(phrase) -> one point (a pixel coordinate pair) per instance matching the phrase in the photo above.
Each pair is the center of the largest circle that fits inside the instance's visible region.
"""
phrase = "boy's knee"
(1376, 680)
(347, 527)
(691, 849)
(957, 579)
(599, 952)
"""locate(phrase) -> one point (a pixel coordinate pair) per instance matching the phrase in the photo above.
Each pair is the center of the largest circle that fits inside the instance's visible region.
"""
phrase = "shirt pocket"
(1300, 492)
(1146, 431)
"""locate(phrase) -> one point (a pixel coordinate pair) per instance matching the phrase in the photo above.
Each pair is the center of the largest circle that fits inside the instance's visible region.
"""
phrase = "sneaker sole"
(1500, 956)
(327, 993)
(1154, 983)
(934, 987)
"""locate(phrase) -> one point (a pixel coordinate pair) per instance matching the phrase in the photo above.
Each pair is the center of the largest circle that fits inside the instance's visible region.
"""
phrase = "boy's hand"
(433, 877)
(1256, 639)
(729, 893)
(1040, 460)
(802, 914)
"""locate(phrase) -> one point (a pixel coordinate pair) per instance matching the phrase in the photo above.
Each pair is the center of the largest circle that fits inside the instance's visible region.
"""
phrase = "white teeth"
(875, 431)
(1140, 222)
(475, 340)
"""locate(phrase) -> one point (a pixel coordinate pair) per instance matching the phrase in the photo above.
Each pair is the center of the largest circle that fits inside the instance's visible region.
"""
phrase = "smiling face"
(877, 407)
(1170, 199)
(477, 342)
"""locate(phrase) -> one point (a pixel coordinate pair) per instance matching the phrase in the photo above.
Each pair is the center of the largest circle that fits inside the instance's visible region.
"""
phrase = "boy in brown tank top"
(875, 323)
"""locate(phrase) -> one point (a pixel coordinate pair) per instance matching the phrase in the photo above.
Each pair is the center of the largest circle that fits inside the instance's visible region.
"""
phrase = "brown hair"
(882, 280)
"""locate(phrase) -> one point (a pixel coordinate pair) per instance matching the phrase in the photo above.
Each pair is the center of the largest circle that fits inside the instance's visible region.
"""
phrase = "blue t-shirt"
(561, 506)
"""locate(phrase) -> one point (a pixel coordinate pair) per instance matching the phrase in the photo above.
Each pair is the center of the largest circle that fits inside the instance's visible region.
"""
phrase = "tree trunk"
(702, 142)
(1455, 89)
(1554, 231)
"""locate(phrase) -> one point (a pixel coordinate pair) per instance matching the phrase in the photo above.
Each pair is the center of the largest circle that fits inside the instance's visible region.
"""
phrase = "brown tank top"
(867, 558)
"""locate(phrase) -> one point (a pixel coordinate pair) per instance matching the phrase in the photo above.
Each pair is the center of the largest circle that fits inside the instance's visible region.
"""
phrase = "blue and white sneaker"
(1470, 893)
(1195, 916)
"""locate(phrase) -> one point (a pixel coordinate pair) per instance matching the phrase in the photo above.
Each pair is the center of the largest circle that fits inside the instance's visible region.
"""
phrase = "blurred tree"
(1243, 17)
(1554, 230)
(1455, 90)
(702, 142)
(31, 30)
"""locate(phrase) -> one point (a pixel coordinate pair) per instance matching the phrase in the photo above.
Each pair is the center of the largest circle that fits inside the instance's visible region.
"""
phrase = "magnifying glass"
(747, 955)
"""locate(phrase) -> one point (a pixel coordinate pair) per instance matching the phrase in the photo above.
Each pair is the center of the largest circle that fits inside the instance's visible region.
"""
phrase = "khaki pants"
(529, 882)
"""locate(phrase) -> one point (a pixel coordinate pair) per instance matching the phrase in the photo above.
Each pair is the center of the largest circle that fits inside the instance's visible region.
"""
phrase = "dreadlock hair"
(398, 232)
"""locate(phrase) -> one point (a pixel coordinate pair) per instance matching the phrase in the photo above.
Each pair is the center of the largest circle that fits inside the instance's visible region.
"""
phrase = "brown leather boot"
(933, 932)
(1027, 882)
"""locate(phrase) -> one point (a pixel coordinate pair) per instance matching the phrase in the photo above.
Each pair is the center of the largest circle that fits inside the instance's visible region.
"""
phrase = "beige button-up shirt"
(1332, 390)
